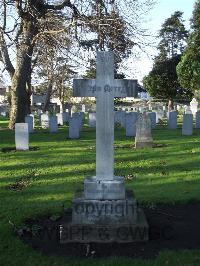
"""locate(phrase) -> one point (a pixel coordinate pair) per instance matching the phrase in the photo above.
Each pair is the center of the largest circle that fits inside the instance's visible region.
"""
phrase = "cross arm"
(116, 87)
(125, 88)
(84, 88)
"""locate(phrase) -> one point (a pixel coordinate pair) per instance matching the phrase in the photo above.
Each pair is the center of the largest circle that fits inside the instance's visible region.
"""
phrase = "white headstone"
(39, 111)
(188, 110)
(44, 120)
(131, 119)
(60, 117)
(21, 136)
(150, 107)
(33, 115)
(53, 124)
(152, 116)
(92, 119)
(83, 108)
(74, 127)
(29, 121)
(79, 119)
(172, 120)
(117, 117)
(160, 114)
(197, 119)
(120, 117)
(187, 127)
(66, 117)
(194, 106)
(73, 109)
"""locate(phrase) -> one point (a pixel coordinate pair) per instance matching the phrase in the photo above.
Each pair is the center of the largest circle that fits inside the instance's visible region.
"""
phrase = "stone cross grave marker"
(104, 192)
(104, 88)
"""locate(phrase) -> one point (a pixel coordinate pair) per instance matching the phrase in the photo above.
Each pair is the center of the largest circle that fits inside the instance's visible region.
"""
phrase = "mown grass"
(46, 179)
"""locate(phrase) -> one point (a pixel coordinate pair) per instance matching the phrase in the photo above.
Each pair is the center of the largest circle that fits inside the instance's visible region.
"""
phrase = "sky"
(162, 10)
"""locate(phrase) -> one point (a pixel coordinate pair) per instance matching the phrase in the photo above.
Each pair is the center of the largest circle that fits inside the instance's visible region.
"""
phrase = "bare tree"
(30, 14)
(24, 23)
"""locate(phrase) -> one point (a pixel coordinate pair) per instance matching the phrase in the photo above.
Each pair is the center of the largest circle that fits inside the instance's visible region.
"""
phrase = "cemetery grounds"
(41, 182)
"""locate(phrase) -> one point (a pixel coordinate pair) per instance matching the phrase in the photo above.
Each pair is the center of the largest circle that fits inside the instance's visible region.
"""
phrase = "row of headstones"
(22, 130)
(187, 125)
(128, 121)
(133, 123)
(51, 122)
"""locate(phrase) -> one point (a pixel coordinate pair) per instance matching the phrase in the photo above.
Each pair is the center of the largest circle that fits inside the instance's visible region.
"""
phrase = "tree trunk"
(62, 107)
(20, 98)
(29, 91)
(49, 92)
(20, 88)
(170, 105)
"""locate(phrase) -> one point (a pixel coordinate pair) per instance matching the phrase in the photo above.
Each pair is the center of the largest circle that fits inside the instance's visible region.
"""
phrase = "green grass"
(3, 122)
(56, 170)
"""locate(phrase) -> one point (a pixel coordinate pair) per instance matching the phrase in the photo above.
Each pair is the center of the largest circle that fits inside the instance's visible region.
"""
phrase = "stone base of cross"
(104, 185)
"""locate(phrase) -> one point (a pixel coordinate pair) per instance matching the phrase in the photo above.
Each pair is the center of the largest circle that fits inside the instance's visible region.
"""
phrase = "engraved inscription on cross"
(104, 88)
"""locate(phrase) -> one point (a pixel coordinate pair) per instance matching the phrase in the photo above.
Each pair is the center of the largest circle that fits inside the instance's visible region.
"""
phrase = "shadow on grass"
(163, 171)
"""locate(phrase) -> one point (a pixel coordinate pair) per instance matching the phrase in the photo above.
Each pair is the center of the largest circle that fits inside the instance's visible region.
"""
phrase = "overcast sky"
(162, 10)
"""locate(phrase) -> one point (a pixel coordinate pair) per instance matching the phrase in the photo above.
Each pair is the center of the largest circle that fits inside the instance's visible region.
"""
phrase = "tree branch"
(4, 15)
(5, 55)
(65, 3)
(18, 4)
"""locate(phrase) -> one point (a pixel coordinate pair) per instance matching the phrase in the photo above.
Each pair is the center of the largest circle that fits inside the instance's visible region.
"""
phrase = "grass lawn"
(46, 179)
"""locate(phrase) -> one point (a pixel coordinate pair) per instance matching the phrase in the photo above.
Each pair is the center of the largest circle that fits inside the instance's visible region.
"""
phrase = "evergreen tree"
(173, 36)
(189, 68)
(162, 81)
